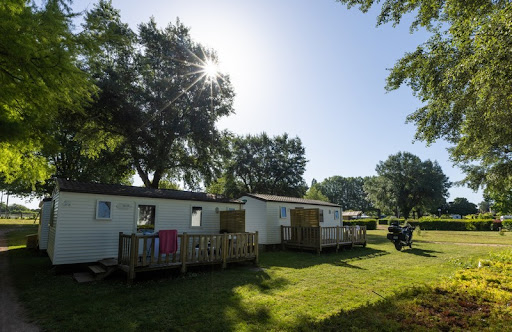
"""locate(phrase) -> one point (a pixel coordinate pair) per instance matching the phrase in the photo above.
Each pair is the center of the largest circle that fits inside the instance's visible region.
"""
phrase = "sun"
(210, 69)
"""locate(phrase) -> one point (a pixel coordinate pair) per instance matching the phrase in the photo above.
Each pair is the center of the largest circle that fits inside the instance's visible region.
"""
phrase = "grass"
(21, 228)
(464, 237)
(364, 288)
(15, 223)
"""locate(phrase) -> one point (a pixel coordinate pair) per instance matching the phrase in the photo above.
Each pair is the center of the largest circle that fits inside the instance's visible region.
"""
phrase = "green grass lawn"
(291, 291)
(15, 223)
(464, 237)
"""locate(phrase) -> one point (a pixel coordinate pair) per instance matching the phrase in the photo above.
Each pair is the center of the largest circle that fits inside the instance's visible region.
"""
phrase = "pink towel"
(168, 241)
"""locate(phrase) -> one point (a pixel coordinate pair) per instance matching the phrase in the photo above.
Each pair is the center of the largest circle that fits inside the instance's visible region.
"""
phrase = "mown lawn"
(359, 288)
(464, 237)
(16, 223)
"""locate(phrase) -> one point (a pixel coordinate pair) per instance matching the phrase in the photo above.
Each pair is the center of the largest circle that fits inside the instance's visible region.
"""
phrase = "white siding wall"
(270, 229)
(44, 225)
(83, 238)
(256, 218)
(174, 214)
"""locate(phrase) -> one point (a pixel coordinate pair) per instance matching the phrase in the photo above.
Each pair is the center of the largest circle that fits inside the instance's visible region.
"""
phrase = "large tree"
(315, 193)
(462, 206)
(40, 75)
(265, 165)
(347, 192)
(405, 182)
(161, 95)
(462, 75)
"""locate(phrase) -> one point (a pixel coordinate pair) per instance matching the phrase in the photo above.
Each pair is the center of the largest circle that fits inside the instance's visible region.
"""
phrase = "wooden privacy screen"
(305, 217)
(232, 221)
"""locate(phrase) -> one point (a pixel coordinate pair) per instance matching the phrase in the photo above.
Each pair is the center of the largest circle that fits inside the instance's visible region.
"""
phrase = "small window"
(321, 215)
(104, 210)
(146, 217)
(197, 216)
(282, 213)
(336, 215)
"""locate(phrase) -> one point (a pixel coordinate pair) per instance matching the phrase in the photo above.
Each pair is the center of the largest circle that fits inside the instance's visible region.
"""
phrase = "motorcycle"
(400, 236)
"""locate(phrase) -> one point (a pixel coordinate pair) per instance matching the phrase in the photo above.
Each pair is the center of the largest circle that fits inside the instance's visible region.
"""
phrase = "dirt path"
(12, 317)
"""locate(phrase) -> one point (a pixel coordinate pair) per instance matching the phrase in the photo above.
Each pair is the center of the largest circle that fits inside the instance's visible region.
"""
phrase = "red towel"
(168, 241)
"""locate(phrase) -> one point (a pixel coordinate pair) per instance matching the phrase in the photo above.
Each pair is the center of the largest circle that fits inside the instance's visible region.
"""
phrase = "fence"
(141, 252)
(316, 238)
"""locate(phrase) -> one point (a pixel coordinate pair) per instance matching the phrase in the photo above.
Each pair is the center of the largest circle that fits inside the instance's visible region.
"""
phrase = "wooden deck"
(317, 238)
(141, 253)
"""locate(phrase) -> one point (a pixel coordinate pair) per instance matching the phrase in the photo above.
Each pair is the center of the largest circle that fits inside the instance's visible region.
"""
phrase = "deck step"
(97, 269)
(108, 262)
(81, 277)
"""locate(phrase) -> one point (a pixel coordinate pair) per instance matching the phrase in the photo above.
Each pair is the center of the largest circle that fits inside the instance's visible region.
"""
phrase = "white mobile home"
(267, 213)
(86, 218)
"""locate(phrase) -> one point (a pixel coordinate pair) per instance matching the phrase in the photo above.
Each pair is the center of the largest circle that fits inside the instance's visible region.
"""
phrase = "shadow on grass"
(203, 299)
(421, 252)
(300, 260)
(422, 308)
(345, 264)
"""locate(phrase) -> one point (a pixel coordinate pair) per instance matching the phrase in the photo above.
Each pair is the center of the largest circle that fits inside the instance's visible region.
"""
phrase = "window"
(321, 215)
(146, 217)
(104, 210)
(282, 213)
(197, 216)
(336, 215)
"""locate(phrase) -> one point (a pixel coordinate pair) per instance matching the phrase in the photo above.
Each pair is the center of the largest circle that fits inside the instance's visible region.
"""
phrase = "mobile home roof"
(285, 199)
(120, 190)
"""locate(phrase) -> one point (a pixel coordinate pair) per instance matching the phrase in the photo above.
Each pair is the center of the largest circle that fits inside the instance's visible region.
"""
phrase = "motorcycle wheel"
(398, 246)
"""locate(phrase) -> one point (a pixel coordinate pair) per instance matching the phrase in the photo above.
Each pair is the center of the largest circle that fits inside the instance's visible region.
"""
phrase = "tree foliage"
(462, 75)
(156, 95)
(315, 193)
(39, 74)
(484, 206)
(462, 206)
(405, 182)
(348, 192)
(265, 165)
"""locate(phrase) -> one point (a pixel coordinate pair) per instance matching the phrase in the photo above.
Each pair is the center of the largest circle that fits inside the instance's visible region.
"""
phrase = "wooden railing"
(318, 237)
(142, 251)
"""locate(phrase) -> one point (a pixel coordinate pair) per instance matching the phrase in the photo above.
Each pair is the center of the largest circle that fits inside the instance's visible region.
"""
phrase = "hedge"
(386, 221)
(369, 223)
(458, 224)
(507, 224)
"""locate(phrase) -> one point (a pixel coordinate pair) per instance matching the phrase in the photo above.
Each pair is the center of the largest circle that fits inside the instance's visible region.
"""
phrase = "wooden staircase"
(97, 271)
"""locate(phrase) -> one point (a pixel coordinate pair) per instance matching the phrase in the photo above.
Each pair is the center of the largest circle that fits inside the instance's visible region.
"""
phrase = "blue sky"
(313, 69)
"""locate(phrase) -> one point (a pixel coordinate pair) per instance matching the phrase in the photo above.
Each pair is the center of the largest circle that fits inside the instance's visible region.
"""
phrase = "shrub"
(496, 225)
(394, 219)
(370, 224)
(456, 224)
(507, 224)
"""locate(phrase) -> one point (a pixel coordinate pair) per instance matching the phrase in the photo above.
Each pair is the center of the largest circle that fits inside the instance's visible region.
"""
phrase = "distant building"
(348, 215)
